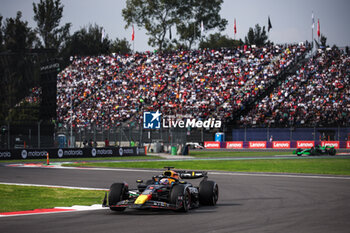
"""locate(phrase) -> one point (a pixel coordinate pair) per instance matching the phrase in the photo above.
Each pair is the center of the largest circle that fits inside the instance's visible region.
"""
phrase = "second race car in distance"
(317, 150)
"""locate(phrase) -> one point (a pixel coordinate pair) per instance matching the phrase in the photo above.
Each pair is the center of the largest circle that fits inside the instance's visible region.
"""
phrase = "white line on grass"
(54, 186)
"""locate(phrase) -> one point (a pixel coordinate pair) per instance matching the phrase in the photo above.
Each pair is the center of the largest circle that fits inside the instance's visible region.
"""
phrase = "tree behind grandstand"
(48, 14)
(217, 41)
(158, 17)
(256, 36)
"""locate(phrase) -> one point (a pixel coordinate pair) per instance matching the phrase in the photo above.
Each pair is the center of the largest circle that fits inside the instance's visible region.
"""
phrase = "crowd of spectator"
(110, 90)
(317, 95)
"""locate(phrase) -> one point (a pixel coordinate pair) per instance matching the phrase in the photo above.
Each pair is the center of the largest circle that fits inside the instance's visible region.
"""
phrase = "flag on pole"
(202, 27)
(103, 36)
(318, 28)
(313, 21)
(133, 33)
(234, 27)
(269, 25)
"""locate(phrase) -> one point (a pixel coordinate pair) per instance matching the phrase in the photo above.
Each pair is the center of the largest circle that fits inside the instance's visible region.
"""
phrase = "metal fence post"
(8, 135)
(39, 134)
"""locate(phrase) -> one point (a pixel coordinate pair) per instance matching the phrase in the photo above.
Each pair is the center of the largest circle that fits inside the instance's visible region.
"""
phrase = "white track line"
(75, 208)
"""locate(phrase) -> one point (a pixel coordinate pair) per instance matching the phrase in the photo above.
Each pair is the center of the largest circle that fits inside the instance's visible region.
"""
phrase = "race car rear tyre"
(117, 193)
(208, 193)
(298, 152)
(332, 151)
(181, 190)
(312, 151)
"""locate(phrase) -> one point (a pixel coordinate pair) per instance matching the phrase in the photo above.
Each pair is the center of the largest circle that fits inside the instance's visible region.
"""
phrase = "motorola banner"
(72, 153)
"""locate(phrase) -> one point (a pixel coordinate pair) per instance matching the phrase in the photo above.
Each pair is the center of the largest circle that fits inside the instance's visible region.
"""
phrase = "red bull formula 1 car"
(166, 191)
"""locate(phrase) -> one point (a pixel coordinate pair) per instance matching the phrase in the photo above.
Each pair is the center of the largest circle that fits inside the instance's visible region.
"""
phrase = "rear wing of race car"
(192, 174)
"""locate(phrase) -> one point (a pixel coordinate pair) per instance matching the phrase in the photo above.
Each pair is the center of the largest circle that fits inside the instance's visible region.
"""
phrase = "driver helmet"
(164, 181)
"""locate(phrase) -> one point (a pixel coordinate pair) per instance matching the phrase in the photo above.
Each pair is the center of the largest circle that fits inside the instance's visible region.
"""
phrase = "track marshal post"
(47, 159)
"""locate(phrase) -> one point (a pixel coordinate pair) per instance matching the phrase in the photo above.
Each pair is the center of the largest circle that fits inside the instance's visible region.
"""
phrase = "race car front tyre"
(178, 191)
(117, 193)
(332, 151)
(208, 193)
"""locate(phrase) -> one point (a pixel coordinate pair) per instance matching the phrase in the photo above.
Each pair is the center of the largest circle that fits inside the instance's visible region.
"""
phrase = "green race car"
(317, 150)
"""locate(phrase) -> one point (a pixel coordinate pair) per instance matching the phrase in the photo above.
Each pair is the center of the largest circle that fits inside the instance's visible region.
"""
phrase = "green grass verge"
(213, 154)
(332, 166)
(19, 198)
(148, 157)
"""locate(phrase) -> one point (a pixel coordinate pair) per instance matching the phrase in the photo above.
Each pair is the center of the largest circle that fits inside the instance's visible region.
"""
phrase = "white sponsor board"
(234, 145)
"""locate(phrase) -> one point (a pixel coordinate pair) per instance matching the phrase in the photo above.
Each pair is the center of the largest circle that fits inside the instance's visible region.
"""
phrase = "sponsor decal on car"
(212, 145)
(330, 143)
(305, 144)
(257, 144)
(281, 144)
(234, 145)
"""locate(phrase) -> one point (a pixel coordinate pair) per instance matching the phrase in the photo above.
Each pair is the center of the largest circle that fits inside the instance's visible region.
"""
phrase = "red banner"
(331, 143)
(281, 144)
(234, 145)
(348, 145)
(212, 145)
(257, 144)
(305, 144)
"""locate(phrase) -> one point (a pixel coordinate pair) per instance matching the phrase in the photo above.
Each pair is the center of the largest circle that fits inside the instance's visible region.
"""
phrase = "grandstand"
(110, 90)
(281, 91)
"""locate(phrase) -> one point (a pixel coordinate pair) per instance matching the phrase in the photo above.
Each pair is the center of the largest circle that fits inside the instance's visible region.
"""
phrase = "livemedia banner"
(305, 144)
(331, 143)
(348, 145)
(257, 144)
(281, 144)
(234, 145)
(212, 145)
(72, 153)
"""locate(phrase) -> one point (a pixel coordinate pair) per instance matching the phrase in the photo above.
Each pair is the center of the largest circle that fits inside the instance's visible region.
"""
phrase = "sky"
(291, 19)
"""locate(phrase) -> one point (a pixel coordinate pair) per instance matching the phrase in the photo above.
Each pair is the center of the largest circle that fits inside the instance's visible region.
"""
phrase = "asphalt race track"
(247, 203)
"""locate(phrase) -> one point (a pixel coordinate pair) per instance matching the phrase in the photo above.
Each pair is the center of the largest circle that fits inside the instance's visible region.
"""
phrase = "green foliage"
(256, 36)
(16, 34)
(24, 112)
(156, 16)
(159, 16)
(87, 41)
(192, 14)
(47, 15)
(217, 41)
(120, 46)
(17, 70)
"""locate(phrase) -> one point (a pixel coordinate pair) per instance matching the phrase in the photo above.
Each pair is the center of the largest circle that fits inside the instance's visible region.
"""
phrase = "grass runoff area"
(19, 198)
(306, 165)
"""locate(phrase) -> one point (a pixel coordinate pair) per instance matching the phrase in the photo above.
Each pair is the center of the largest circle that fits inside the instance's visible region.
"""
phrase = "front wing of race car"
(147, 205)
(143, 202)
